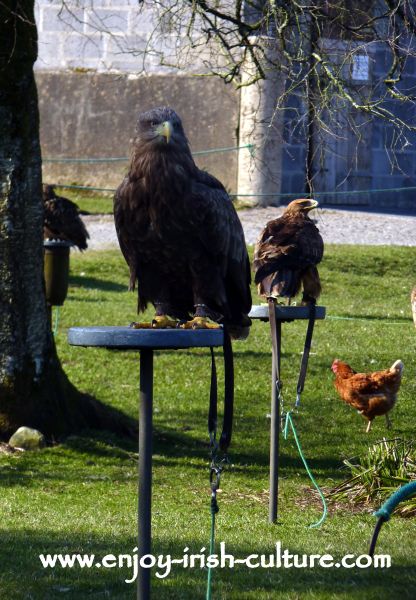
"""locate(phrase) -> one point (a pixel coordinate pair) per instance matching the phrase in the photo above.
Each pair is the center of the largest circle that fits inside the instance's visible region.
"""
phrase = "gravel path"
(336, 226)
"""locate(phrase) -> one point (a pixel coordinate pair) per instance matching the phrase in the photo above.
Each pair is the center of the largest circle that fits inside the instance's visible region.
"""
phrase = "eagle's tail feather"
(239, 331)
(285, 283)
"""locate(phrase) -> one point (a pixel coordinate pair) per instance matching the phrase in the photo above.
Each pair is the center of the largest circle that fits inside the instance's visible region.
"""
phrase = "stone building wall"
(92, 82)
(92, 86)
(100, 35)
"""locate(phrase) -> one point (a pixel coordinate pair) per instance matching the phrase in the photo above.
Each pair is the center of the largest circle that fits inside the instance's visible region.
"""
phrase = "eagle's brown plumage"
(178, 230)
(62, 219)
(287, 252)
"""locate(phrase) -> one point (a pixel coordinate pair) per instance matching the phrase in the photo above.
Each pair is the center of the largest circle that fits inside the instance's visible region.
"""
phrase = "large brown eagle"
(180, 234)
(287, 252)
(62, 219)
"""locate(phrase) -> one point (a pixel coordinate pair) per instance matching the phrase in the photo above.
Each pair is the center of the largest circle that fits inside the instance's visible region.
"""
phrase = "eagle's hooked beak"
(165, 129)
(313, 204)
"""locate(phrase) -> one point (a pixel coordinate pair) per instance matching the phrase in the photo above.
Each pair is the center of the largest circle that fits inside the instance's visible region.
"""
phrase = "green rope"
(86, 160)
(83, 187)
(214, 510)
(250, 147)
(274, 195)
(55, 329)
(379, 320)
(288, 422)
(316, 193)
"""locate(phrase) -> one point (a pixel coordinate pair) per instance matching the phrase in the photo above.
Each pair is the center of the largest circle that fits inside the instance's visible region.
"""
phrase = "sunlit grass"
(81, 495)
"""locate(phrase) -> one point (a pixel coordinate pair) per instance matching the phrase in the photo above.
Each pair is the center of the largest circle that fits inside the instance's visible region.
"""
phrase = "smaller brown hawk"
(287, 253)
(62, 219)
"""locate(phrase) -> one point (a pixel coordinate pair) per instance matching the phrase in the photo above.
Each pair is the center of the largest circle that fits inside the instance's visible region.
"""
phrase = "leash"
(218, 451)
(275, 331)
(227, 426)
(305, 355)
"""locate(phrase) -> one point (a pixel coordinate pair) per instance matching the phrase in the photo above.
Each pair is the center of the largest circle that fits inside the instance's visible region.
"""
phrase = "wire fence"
(301, 194)
(250, 147)
(108, 159)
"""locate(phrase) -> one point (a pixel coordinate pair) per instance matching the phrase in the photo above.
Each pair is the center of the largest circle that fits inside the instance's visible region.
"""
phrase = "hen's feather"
(372, 394)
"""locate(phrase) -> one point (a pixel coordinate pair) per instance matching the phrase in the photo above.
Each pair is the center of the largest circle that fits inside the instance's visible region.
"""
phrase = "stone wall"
(92, 85)
(87, 114)
(93, 81)
(102, 35)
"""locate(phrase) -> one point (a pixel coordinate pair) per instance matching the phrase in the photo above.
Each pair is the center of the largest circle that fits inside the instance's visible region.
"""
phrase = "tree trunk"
(34, 390)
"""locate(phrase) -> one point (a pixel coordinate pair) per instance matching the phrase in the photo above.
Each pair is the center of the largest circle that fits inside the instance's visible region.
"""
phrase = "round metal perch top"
(286, 313)
(127, 338)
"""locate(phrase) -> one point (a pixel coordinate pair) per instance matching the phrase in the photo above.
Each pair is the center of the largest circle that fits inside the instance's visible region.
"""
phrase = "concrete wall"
(90, 93)
(102, 35)
(94, 115)
(92, 86)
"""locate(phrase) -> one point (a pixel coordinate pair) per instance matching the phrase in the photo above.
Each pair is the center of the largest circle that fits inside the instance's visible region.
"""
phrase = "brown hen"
(372, 394)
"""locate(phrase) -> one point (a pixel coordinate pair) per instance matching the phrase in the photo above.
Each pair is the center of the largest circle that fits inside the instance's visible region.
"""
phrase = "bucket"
(56, 271)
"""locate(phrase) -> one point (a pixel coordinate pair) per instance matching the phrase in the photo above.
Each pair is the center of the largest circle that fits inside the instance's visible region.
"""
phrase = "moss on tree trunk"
(34, 389)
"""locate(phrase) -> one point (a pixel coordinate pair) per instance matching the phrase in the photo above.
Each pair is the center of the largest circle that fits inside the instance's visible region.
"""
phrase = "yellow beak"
(165, 129)
(313, 204)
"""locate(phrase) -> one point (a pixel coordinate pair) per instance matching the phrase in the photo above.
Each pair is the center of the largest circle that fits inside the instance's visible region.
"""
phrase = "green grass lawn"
(81, 495)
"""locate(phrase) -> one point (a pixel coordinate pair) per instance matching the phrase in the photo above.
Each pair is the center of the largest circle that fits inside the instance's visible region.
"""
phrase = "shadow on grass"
(174, 445)
(96, 284)
(23, 576)
(170, 449)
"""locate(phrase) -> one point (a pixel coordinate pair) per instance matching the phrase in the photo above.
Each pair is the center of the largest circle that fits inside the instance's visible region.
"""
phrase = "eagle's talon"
(138, 325)
(163, 322)
(200, 323)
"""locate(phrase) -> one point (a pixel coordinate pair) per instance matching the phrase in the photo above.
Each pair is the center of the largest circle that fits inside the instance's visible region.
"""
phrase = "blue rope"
(289, 421)
(403, 493)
